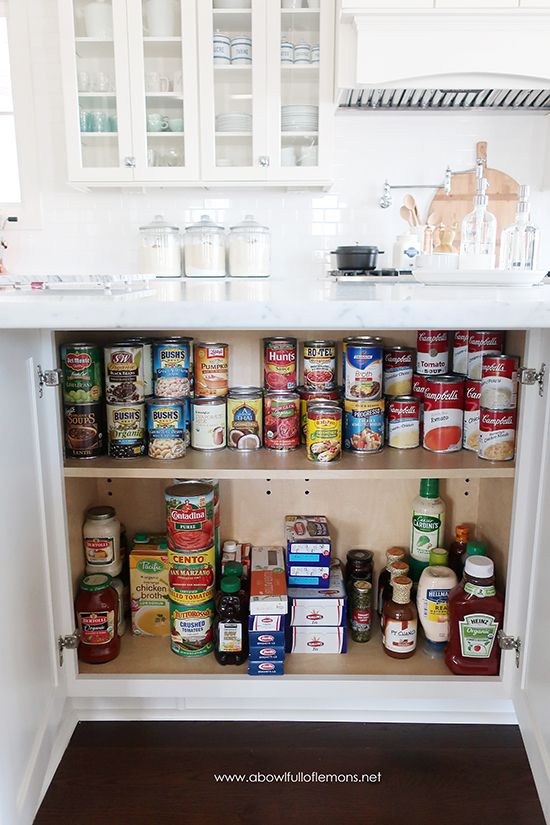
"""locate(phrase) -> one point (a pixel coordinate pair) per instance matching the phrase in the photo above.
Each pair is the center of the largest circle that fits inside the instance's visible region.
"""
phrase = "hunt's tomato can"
(472, 392)
(480, 344)
(307, 396)
(432, 351)
(280, 363)
(403, 422)
(398, 371)
(324, 431)
(319, 364)
(497, 434)
(499, 382)
(282, 421)
(443, 413)
(190, 516)
(460, 351)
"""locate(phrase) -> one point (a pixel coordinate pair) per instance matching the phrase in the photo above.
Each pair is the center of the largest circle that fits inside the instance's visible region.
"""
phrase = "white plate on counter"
(493, 277)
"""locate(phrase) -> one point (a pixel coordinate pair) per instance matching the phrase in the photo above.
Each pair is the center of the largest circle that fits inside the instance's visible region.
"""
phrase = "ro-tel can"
(84, 430)
(280, 363)
(126, 430)
(307, 395)
(191, 631)
(432, 351)
(403, 422)
(363, 370)
(172, 367)
(499, 382)
(82, 373)
(124, 382)
(282, 421)
(497, 434)
(191, 576)
(189, 516)
(211, 369)
(360, 611)
(364, 426)
(245, 406)
(480, 344)
(443, 413)
(319, 364)
(166, 428)
(472, 393)
(208, 423)
(324, 431)
(419, 391)
(460, 351)
(398, 370)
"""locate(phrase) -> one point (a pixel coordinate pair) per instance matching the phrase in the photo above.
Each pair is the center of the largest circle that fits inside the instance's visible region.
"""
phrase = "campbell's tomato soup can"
(499, 382)
(364, 425)
(419, 390)
(364, 370)
(432, 351)
(480, 344)
(282, 421)
(470, 436)
(190, 516)
(280, 363)
(319, 364)
(443, 413)
(191, 575)
(497, 434)
(306, 396)
(403, 422)
(211, 369)
(460, 351)
(398, 371)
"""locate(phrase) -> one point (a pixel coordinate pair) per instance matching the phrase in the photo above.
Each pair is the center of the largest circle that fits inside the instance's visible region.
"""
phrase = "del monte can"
(82, 373)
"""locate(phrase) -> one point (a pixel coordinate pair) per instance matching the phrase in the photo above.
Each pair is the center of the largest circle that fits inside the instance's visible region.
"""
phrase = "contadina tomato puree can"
(211, 368)
(282, 421)
(319, 364)
(403, 422)
(363, 370)
(443, 413)
(191, 575)
(432, 351)
(398, 371)
(191, 632)
(190, 516)
(324, 431)
(280, 363)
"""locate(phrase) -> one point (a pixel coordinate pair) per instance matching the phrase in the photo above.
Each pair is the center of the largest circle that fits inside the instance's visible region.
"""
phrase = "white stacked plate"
(234, 122)
(303, 118)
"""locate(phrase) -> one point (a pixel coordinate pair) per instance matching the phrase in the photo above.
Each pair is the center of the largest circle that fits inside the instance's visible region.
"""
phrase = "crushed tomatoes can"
(190, 516)
(307, 396)
(282, 421)
(364, 426)
(324, 431)
(443, 413)
(319, 364)
(364, 369)
(398, 371)
(211, 368)
(499, 382)
(497, 434)
(403, 422)
(472, 393)
(480, 344)
(191, 575)
(191, 628)
(280, 363)
(432, 351)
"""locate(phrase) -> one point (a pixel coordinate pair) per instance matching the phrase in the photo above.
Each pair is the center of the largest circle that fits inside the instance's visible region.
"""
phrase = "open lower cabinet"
(367, 501)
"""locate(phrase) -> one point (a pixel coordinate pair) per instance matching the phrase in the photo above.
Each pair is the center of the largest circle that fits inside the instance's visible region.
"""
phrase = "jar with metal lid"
(208, 423)
(96, 609)
(359, 565)
(160, 249)
(249, 249)
(205, 249)
(360, 610)
(101, 541)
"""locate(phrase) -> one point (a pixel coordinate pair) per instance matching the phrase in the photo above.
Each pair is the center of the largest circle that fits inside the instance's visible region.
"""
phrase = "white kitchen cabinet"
(534, 4)
(476, 4)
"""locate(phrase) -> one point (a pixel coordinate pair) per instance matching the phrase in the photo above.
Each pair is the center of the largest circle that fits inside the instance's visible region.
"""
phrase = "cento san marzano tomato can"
(282, 421)
(480, 344)
(324, 431)
(432, 351)
(280, 363)
(363, 425)
(403, 422)
(472, 393)
(363, 370)
(319, 364)
(443, 413)
(190, 516)
(191, 576)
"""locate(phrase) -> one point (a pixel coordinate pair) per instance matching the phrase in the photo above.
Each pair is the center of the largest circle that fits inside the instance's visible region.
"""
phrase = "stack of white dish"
(234, 122)
(303, 118)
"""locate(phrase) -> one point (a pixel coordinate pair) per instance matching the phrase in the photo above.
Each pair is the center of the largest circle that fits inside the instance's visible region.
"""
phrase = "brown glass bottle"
(396, 568)
(393, 554)
(400, 621)
(457, 549)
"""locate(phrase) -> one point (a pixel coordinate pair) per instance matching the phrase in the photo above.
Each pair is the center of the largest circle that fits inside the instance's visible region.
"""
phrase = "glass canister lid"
(159, 224)
(205, 224)
(250, 225)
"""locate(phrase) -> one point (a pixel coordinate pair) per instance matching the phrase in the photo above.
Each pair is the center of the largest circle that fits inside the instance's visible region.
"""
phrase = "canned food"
(480, 344)
(404, 422)
(443, 413)
(191, 631)
(126, 430)
(472, 393)
(216, 488)
(499, 382)
(82, 373)
(172, 367)
(280, 363)
(365, 339)
(460, 351)
(432, 351)
(245, 418)
(147, 360)
(361, 611)
(282, 421)
(497, 434)
(363, 370)
(124, 373)
(85, 430)
(398, 370)
(324, 431)
(419, 391)
(319, 364)
(211, 369)
(307, 395)
(208, 423)
(189, 516)
(191, 576)
(364, 426)
(166, 428)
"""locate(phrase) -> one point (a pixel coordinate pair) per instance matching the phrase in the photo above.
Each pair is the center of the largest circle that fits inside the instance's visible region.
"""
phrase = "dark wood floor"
(162, 773)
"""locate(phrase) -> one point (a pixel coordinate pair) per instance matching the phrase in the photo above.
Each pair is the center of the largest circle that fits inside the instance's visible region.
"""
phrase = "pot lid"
(205, 223)
(359, 250)
(159, 223)
(249, 224)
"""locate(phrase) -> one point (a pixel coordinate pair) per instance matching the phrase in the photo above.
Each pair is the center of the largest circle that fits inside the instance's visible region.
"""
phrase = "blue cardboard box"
(263, 668)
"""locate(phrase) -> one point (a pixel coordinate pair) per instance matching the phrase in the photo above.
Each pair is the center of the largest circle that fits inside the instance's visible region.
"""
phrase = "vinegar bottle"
(457, 549)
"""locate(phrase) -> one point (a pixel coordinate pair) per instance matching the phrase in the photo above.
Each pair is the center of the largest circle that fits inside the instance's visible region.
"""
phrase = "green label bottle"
(427, 525)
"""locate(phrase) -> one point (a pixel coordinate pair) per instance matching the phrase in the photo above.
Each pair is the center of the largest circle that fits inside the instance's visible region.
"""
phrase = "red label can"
(419, 390)
(280, 363)
(480, 344)
(432, 351)
(189, 516)
(499, 382)
(403, 422)
(398, 371)
(307, 395)
(460, 351)
(472, 391)
(319, 364)
(282, 421)
(443, 414)
(497, 434)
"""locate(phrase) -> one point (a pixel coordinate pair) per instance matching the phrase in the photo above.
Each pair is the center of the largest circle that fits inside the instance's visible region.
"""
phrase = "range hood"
(412, 100)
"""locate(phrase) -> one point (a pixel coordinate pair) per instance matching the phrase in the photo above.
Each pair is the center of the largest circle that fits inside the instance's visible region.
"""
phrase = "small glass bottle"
(519, 244)
(400, 621)
(393, 554)
(479, 233)
(457, 548)
(230, 629)
(360, 599)
(396, 568)
(473, 548)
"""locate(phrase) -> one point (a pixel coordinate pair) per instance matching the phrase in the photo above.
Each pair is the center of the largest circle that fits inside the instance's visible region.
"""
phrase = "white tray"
(492, 277)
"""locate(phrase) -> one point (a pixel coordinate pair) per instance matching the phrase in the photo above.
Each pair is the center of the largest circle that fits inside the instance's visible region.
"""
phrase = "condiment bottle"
(476, 611)
(235, 568)
(400, 621)
(396, 568)
(479, 231)
(457, 549)
(96, 609)
(230, 628)
(519, 245)
(101, 540)
(474, 548)
(427, 525)
(393, 554)
(359, 565)
(436, 582)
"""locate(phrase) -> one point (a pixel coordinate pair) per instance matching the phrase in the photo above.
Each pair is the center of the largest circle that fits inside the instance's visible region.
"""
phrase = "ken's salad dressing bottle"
(427, 526)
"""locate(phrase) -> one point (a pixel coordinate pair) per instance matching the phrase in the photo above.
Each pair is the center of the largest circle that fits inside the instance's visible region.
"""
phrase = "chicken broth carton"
(149, 585)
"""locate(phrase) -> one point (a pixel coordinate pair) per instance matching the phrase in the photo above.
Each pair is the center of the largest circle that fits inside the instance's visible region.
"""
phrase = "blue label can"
(364, 426)
(363, 370)
(166, 428)
(172, 368)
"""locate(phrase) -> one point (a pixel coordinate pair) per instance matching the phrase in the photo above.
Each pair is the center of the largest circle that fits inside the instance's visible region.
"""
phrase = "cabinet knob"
(129, 161)
(263, 160)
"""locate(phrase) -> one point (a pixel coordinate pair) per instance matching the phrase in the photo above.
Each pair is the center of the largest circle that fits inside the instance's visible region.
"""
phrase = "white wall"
(97, 232)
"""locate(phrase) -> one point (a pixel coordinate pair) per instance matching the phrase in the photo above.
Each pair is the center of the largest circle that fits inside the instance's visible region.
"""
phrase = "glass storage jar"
(160, 249)
(249, 249)
(205, 249)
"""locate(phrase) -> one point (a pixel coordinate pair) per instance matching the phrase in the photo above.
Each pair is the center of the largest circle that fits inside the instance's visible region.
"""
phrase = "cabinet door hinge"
(530, 376)
(510, 643)
(47, 378)
(67, 643)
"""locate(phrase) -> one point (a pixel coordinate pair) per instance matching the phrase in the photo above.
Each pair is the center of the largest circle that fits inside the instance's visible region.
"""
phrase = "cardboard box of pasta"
(266, 630)
(319, 607)
(149, 585)
(316, 640)
(308, 540)
(268, 581)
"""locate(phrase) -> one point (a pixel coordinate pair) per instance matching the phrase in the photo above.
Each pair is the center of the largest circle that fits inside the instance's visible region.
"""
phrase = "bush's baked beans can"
(126, 430)
(363, 370)
(499, 382)
(364, 426)
(208, 423)
(85, 430)
(460, 351)
(306, 396)
(443, 413)
(324, 431)
(403, 422)
(191, 575)
(419, 391)
(211, 368)
(172, 367)
(124, 376)
(282, 421)
(319, 364)
(190, 516)
(497, 434)
(245, 407)
(280, 364)
(82, 373)
(480, 344)
(472, 392)
(432, 351)
(166, 428)
(398, 371)
(191, 628)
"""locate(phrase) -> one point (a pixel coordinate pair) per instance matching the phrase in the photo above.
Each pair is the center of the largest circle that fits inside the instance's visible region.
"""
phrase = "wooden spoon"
(406, 214)
(410, 203)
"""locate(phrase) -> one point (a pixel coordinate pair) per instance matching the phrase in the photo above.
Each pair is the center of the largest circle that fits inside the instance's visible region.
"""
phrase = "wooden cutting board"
(503, 195)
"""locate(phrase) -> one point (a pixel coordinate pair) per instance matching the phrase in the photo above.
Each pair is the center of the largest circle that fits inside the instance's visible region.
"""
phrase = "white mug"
(161, 18)
(98, 20)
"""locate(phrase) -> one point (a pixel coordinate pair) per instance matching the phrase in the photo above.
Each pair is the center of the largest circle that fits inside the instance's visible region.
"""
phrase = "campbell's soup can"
(432, 351)
(398, 370)
(191, 576)
(364, 370)
(280, 363)
(306, 396)
(191, 628)
(403, 422)
(189, 516)
(363, 425)
(499, 382)
(419, 390)
(319, 364)
(497, 434)
(472, 392)
(282, 421)
(324, 431)
(211, 369)
(480, 344)
(460, 351)
(443, 413)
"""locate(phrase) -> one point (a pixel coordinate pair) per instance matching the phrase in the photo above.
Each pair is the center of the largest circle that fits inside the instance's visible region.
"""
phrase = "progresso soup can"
(363, 370)
(319, 364)
(324, 431)
(82, 373)
(364, 426)
(191, 630)
(172, 367)
(126, 430)
(190, 516)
